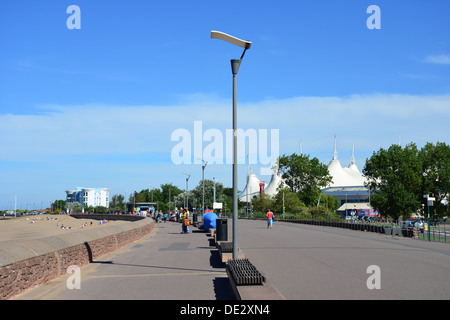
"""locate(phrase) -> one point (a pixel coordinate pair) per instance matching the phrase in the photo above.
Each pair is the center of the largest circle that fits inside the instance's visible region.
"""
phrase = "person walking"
(269, 219)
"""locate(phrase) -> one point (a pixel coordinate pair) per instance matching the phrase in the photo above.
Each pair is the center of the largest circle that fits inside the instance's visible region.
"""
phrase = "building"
(345, 176)
(255, 186)
(348, 182)
(89, 197)
(140, 208)
(347, 185)
(275, 182)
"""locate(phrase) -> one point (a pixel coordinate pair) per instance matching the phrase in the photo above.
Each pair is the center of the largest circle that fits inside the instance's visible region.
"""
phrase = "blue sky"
(97, 106)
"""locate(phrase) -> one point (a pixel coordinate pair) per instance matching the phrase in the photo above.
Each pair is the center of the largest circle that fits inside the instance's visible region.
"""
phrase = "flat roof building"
(89, 197)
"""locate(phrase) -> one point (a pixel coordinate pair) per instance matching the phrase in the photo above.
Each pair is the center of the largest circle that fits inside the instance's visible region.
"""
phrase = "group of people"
(159, 216)
(184, 216)
(185, 219)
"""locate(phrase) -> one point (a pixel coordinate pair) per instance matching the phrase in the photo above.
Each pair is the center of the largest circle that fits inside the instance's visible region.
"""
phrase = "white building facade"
(89, 197)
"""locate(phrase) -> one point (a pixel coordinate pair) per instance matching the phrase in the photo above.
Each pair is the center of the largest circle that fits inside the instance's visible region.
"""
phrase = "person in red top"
(269, 219)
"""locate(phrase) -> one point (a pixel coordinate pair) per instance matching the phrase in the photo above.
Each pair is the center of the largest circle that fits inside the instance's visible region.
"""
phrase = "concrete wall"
(27, 264)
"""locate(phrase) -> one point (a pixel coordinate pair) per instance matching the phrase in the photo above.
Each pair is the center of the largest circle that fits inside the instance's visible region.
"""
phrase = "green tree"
(263, 203)
(180, 200)
(395, 180)
(169, 190)
(161, 196)
(292, 202)
(435, 160)
(74, 207)
(58, 205)
(328, 202)
(146, 195)
(228, 192)
(228, 200)
(304, 176)
(117, 202)
(100, 209)
(209, 193)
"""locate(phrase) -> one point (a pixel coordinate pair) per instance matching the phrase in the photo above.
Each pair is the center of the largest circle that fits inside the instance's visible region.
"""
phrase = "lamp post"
(235, 64)
(153, 188)
(203, 184)
(186, 204)
(429, 203)
(214, 192)
(170, 185)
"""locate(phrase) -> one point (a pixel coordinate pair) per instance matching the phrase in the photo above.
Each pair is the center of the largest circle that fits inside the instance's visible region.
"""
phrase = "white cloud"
(438, 59)
(103, 130)
(128, 146)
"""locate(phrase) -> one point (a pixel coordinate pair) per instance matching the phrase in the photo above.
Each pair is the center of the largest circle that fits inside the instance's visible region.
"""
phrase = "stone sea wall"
(30, 263)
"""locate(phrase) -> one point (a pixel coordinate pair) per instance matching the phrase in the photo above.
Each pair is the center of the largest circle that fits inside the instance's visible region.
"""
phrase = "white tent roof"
(344, 177)
(274, 183)
(252, 187)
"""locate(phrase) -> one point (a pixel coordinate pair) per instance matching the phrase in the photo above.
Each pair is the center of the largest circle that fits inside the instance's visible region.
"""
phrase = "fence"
(434, 231)
(438, 230)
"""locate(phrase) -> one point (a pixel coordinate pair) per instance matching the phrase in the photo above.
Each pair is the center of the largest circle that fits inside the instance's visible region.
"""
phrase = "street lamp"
(153, 206)
(152, 191)
(186, 199)
(170, 185)
(203, 184)
(235, 64)
(214, 192)
(429, 203)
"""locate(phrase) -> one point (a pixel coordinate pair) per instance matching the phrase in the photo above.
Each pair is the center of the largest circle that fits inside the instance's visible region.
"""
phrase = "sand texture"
(39, 226)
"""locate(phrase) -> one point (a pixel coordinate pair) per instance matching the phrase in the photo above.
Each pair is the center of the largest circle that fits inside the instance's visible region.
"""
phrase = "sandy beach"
(39, 226)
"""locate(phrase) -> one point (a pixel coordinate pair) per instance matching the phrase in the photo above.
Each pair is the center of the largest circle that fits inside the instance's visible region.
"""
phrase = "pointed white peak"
(335, 157)
(352, 159)
(274, 169)
(352, 165)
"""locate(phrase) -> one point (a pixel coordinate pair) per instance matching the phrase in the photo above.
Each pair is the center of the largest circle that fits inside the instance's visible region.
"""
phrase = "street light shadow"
(156, 267)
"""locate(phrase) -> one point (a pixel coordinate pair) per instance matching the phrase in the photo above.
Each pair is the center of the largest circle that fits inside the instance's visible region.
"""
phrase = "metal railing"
(438, 231)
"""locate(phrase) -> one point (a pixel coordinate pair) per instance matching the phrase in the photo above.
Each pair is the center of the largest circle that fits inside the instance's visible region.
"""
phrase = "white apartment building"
(89, 197)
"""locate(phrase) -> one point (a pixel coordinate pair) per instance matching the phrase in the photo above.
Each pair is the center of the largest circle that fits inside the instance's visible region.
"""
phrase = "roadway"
(301, 261)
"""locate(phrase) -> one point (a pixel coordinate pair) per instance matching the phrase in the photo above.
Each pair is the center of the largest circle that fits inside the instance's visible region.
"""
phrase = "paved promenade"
(301, 261)
(165, 265)
(314, 262)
